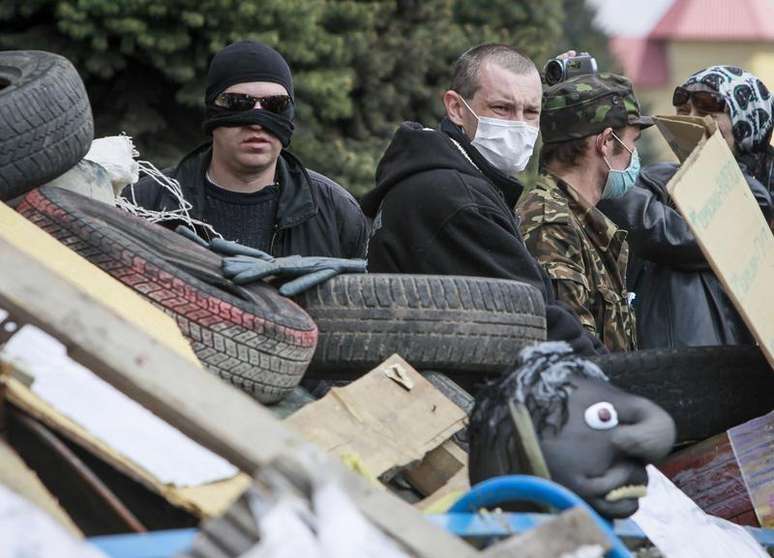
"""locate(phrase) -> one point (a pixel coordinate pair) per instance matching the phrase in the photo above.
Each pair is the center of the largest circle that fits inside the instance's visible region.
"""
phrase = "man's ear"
(455, 109)
(602, 143)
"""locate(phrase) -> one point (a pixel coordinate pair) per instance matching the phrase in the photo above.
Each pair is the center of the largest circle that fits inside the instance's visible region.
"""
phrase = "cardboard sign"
(715, 199)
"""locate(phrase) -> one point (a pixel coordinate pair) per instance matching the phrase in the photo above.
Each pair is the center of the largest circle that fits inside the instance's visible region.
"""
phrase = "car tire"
(251, 336)
(707, 390)
(46, 125)
(465, 327)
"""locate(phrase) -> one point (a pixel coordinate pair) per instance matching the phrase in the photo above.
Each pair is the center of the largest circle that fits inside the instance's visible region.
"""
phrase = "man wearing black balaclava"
(244, 183)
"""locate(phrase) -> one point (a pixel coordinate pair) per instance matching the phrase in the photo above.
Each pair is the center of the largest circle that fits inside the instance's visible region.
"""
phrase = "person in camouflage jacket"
(590, 125)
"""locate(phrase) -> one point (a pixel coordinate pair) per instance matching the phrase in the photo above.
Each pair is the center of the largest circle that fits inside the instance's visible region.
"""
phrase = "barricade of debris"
(150, 402)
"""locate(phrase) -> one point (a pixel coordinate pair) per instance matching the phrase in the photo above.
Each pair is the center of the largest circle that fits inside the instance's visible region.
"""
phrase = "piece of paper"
(680, 529)
(122, 423)
(715, 199)
(753, 445)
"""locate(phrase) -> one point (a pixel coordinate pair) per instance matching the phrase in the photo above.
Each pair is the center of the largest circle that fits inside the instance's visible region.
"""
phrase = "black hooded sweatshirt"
(440, 208)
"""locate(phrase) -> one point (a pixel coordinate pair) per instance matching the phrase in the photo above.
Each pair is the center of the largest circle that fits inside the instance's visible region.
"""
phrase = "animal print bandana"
(749, 104)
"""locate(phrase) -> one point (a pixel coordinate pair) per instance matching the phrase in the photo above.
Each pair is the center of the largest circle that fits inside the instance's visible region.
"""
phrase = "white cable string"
(173, 187)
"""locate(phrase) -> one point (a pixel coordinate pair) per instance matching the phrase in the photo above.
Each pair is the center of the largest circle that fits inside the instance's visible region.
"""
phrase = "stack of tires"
(250, 336)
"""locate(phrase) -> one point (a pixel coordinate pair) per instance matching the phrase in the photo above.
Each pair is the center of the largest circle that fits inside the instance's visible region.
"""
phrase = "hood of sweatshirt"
(416, 149)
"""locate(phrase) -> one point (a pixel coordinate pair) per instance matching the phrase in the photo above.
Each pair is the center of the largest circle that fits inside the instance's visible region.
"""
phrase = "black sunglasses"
(704, 101)
(241, 102)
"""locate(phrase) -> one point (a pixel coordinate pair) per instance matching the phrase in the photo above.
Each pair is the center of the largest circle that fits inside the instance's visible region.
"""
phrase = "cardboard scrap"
(442, 499)
(753, 445)
(683, 133)
(715, 199)
(384, 422)
(437, 467)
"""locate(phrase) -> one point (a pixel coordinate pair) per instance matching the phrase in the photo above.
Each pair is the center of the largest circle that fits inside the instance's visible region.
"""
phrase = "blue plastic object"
(158, 544)
(524, 488)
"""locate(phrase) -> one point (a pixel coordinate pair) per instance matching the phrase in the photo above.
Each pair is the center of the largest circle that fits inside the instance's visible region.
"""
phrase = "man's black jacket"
(439, 208)
(315, 216)
(680, 302)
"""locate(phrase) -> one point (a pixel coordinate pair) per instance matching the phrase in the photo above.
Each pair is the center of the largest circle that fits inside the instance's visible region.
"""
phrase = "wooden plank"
(566, 535)
(362, 419)
(708, 473)
(49, 252)
(214, 414)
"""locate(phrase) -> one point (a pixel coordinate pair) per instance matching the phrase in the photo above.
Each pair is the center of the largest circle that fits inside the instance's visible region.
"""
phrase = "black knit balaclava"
(243, 62)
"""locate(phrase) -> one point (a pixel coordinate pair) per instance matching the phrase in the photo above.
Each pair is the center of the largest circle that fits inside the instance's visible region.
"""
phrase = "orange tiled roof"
(717, 20)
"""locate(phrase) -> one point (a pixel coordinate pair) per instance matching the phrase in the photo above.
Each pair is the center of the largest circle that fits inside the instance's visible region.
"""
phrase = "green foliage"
(360, 67)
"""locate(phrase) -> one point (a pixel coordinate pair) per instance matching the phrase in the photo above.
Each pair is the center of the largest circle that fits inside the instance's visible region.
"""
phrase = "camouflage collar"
(602, 232)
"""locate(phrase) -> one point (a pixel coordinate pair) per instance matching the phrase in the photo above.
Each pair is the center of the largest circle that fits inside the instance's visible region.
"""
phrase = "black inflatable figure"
(557, 416)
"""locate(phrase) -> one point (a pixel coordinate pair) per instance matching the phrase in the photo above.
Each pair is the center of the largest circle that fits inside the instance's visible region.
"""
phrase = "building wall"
(683, 59)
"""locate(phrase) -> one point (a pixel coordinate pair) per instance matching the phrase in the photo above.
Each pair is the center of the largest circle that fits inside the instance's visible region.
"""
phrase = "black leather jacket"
(315, 216)
(680, 302)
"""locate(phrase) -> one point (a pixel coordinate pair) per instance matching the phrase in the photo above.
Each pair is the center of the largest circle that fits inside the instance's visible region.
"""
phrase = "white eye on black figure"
(601, 416)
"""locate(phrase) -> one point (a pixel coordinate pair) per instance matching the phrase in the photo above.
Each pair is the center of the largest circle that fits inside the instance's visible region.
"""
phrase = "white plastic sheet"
(27, 532)
(89, 179)
(117, 155)
(680, 529)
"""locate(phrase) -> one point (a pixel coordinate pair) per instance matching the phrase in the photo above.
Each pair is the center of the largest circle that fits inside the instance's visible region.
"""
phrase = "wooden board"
(49, 252)
(708, 473)
(209, 411)
(571, 532)
(388, 418)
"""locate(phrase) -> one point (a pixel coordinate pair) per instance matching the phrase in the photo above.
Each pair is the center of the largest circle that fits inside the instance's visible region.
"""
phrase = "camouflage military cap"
(586, 105)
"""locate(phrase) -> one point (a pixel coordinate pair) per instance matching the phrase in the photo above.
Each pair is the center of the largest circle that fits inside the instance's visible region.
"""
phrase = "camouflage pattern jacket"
(584, 254)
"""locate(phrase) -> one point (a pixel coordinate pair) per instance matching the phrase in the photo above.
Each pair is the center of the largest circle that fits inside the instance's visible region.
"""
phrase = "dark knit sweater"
(245, 218)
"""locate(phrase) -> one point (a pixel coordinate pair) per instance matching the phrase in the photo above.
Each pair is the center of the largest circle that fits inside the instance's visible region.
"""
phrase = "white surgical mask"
(506, 144)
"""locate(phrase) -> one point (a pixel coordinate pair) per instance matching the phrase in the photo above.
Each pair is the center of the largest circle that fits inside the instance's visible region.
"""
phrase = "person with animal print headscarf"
(741, 104)
(679, 300)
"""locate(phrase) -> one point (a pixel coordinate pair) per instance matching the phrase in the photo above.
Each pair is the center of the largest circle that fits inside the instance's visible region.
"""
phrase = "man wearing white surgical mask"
(444, 198)
(590, 125)
(501, 116)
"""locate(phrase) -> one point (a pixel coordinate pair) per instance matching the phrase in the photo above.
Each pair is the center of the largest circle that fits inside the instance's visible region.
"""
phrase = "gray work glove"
(245, 265)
